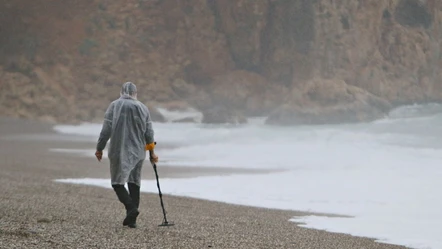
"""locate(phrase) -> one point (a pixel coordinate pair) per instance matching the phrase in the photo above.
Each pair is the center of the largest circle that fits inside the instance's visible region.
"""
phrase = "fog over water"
(385, 174)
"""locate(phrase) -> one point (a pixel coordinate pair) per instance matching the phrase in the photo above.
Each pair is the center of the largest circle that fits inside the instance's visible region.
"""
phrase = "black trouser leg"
(134, 191)
(124, 197)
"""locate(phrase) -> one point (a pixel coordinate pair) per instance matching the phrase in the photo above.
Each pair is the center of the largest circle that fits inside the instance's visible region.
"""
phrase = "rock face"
(67, 61)
(222, 115)
(246, 92)
(155, 115)
(329, 102)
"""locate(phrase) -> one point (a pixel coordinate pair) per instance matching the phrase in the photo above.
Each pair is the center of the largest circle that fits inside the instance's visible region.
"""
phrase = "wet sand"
(36, 212)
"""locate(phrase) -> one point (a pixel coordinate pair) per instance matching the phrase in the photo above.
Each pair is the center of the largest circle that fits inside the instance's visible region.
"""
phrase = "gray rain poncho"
(128, 125)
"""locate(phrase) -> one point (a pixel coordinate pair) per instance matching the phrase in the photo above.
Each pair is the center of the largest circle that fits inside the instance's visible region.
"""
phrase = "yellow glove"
(150, 146)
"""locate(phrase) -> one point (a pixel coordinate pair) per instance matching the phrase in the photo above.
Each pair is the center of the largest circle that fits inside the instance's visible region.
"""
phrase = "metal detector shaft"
(165, 222)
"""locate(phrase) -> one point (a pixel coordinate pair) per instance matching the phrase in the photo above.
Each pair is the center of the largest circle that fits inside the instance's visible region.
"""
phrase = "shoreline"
(40, 213)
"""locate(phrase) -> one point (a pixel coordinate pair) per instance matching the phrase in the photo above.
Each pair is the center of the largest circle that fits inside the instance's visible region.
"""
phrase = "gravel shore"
(36, 212)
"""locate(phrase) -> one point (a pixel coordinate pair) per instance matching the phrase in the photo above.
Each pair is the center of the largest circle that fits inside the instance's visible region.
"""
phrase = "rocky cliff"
(297, 61)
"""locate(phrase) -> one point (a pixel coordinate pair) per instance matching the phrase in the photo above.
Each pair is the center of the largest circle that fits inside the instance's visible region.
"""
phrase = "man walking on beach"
(128, 125)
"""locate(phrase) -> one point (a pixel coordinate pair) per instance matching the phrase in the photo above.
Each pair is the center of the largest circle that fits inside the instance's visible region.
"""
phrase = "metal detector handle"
(150, 146)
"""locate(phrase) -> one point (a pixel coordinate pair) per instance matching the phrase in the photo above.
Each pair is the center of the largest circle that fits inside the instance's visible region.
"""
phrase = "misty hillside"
(298, 61)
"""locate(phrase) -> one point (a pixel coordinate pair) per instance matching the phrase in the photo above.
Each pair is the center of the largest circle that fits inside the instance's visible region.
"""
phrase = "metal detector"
(165, 222)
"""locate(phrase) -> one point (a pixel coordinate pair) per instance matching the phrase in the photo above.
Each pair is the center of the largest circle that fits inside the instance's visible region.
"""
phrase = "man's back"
(130, 120)
(128, 125)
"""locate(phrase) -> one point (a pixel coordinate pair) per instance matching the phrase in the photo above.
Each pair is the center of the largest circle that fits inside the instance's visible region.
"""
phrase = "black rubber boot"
(131, 208)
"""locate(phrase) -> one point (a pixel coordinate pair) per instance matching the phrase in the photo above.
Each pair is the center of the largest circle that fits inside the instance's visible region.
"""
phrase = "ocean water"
(385, 177)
